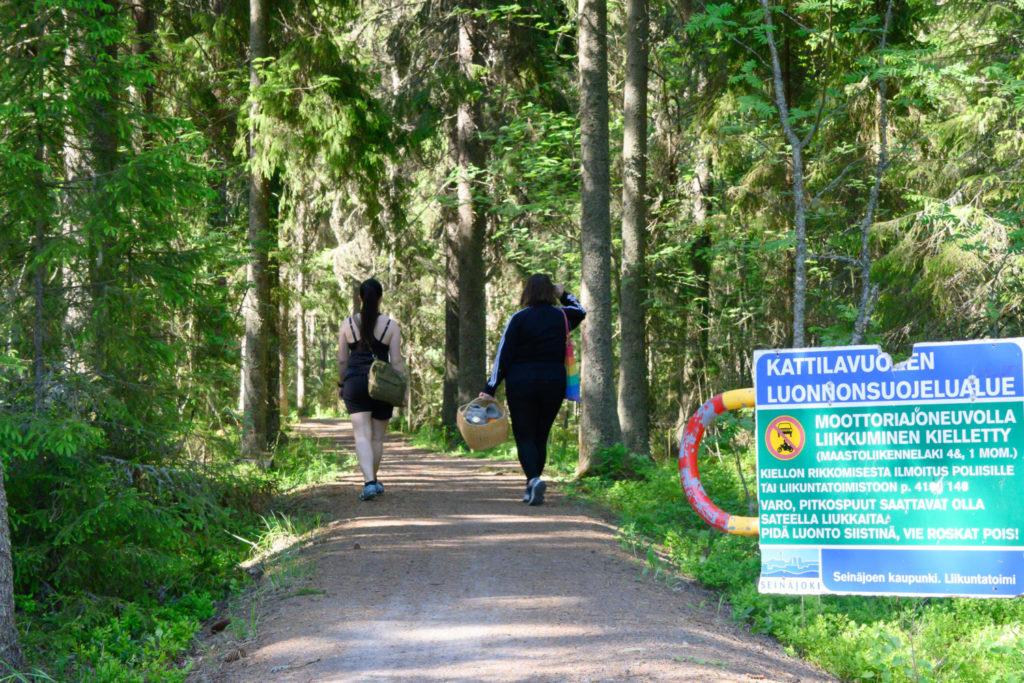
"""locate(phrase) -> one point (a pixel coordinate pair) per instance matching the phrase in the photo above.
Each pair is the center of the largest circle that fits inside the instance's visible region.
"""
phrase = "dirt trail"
(449, 577)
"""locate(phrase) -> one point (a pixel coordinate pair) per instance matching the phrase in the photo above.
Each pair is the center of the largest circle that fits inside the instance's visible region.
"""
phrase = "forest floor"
(449, 577)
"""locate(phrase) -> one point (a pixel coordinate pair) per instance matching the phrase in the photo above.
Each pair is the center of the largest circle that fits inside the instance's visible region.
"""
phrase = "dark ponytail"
(370, 291)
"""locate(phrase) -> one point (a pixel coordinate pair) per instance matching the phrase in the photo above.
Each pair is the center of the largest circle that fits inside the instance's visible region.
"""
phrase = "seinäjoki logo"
(802, 563)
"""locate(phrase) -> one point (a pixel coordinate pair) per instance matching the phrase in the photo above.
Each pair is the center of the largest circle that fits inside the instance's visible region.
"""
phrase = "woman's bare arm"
(395, 349)
(342, 354)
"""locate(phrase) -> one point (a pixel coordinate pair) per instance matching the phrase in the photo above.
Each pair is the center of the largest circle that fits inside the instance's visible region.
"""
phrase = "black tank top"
(361, 355)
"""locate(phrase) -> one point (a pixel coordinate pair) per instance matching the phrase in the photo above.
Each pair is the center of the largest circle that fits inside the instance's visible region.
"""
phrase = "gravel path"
(449, 577)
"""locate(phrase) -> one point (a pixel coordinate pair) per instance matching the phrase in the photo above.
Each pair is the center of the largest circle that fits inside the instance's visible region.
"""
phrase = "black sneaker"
(370, 491)
(535, 491)
(526, 496)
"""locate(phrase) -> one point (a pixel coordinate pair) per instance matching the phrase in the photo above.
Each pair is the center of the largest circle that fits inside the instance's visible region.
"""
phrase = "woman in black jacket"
(531, 360)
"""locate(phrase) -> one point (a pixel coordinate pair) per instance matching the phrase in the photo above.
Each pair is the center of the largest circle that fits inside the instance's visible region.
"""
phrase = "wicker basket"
(482, 437)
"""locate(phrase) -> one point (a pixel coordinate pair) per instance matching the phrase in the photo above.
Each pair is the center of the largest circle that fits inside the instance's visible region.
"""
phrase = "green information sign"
(875, 478)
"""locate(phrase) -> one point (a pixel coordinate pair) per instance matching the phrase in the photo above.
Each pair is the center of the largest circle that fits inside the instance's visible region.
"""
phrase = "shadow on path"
(449, 577)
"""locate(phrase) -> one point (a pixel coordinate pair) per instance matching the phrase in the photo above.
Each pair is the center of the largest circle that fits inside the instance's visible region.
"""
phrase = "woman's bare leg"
(379, 427)
(362, 428)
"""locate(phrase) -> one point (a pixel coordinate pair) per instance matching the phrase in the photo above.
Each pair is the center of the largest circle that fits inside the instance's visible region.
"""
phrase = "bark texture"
(10, 652)
(633, 384)
(273, 351)
(695, 369)
(257, 298)
(300, 310)
(469, 245)
(450, 388)
(283, 334)
(599, 423)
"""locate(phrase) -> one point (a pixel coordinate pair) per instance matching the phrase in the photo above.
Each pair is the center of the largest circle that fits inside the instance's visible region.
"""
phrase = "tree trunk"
(696, 372)
(701, 257)
(599, 424)
(702, 191)
(273, 352)
(10, 653)
(450, 387)
(325, 353)
(796, 146)
(73, 275)
(310, 352)
(244, 363)
(472, 220)
(39, 293)
(257, 302)
(103, 146)
(282, 353)
(145, 27)
(633, 387)
(300, 312)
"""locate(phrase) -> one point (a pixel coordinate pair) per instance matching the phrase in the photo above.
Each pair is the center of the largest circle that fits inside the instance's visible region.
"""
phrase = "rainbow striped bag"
(572, 371)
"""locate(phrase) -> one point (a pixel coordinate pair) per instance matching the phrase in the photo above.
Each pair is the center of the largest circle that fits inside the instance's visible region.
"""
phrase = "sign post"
(877, 478)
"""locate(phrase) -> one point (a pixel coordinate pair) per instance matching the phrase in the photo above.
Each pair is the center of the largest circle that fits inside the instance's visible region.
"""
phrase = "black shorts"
(356, 394)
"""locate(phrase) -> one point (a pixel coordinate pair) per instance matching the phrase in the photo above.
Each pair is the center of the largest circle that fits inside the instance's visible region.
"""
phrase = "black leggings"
(533, 407)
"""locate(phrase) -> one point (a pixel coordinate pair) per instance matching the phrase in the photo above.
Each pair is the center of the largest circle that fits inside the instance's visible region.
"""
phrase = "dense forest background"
(190, 192)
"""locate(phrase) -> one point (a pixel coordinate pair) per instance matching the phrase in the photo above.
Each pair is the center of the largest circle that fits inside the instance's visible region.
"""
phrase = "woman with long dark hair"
(363, 338)
(531, 360)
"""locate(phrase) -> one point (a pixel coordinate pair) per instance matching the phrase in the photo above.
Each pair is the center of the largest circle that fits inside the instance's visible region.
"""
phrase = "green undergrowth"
(277, 558)
(117, 573)
(854, 638)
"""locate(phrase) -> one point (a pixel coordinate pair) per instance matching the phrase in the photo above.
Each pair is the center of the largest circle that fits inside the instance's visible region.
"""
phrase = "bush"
(117, 563)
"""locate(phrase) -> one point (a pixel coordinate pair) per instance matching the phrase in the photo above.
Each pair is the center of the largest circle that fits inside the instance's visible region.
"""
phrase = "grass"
(84, 636)
(276, 553)
(853, 637)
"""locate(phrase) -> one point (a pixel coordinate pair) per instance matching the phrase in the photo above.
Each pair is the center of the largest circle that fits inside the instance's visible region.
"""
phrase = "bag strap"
(352, 324)
(386, 326)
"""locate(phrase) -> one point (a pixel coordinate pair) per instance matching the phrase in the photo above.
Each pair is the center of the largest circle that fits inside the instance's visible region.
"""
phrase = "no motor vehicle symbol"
(785, 437)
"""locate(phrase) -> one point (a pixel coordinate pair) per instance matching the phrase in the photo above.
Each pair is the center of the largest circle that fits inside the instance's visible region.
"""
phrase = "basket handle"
(478, 401)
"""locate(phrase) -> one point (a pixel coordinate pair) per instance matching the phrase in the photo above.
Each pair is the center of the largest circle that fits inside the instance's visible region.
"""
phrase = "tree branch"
(865, 306)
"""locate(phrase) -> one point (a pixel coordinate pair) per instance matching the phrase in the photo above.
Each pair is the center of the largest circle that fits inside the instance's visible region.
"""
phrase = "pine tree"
(255, 366)
(450, 379)
(599, 423)
(633, 387)
(469, 244)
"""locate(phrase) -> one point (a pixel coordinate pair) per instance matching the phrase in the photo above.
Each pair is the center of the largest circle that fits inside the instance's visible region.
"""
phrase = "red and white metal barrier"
(689, 475)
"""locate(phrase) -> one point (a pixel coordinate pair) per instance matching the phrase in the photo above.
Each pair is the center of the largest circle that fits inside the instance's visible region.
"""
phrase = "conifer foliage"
(191, 191)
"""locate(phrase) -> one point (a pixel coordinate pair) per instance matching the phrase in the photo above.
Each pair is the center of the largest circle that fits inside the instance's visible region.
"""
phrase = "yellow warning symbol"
(785, 437)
